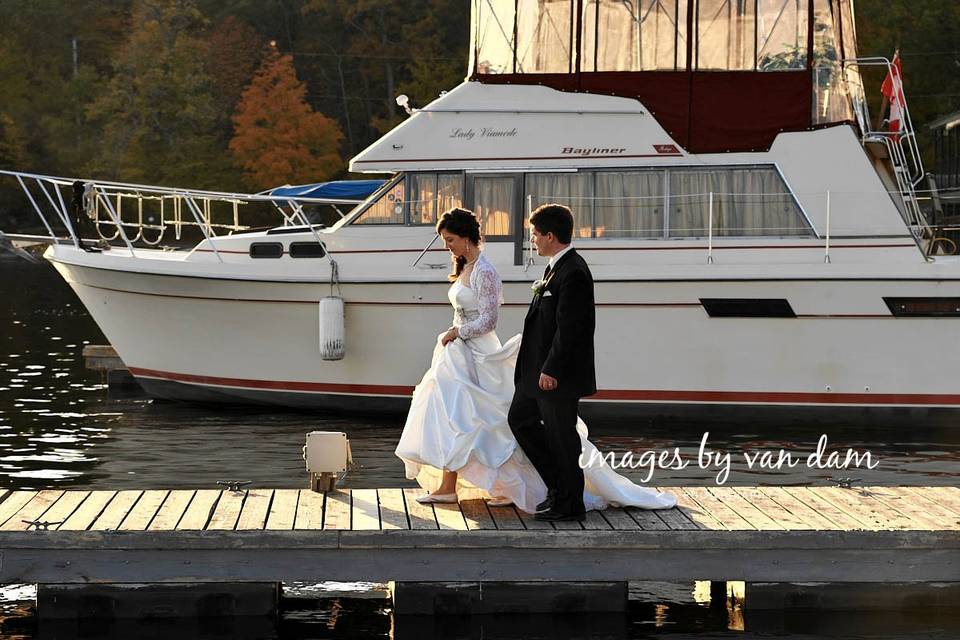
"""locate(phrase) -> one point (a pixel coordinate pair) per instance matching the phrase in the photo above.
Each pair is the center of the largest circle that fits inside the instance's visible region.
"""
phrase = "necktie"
(546, 272)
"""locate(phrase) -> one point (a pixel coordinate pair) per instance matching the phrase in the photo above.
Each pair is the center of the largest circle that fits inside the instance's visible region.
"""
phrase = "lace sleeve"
(486, 283)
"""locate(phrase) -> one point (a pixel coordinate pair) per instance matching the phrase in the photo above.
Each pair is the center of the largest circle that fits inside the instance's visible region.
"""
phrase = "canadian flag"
(892, 90)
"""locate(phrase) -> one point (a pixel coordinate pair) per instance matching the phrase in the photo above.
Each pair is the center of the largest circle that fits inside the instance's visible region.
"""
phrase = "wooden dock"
(868, 534)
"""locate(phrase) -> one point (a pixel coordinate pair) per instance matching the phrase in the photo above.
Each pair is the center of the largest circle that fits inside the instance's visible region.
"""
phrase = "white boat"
(757, 245)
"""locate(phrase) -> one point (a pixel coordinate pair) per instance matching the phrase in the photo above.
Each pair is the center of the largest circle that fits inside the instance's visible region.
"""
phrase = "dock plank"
(200, 510)
(505, 518)
(88, 511)
(647, 519)
(393, 512)
(813, 519)
(718, 509)
(827, 509)
(309, 514)
(475, 513)
(365, 509)
(531, 523)
(227, 512)
(336, 510)
(32, 511)
(923, 515)
(865, 508)
(253, 516)
(114, 513)
(935, 509)
(283, 510)
(449, 516)
(172, 510)
(692, 511)
(783, 517)
(421, 516)
(139, 518)
(620, 520)
(743, 508)
(14, 503)
(948, 497)
(596, 522)
(63, 508)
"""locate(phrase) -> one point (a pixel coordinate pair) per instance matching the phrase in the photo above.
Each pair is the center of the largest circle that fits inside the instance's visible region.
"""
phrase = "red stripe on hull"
(629, 395)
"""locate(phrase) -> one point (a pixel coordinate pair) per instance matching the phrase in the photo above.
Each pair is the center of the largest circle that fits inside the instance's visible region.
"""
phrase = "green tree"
(157, 116)
(279, 138)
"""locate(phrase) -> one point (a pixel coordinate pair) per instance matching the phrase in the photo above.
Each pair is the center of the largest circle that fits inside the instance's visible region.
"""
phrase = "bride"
(456, 431)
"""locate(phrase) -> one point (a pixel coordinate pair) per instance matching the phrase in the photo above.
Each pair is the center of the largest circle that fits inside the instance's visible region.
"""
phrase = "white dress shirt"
(558, 255)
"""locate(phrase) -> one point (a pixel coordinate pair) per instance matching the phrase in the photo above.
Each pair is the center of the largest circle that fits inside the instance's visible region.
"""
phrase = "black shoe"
(556, 516)
(546, 505)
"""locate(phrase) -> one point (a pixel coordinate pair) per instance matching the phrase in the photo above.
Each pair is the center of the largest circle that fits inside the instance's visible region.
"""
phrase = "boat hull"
(660, 355)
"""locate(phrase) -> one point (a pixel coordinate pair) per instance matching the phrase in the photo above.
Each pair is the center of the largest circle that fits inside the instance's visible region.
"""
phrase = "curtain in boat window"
(781, 35)
(629, 204)
(388, 209)
(633, 35)
(725, 31)
(545, 36)
(749, 201)
(574, 190)
(431, 194)
(493, 204)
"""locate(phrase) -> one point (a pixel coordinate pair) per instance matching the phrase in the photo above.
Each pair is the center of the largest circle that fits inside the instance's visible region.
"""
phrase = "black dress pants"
(546, 430)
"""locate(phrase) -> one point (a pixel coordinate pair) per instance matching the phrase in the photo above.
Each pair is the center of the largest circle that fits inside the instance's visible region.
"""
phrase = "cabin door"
(497, 201)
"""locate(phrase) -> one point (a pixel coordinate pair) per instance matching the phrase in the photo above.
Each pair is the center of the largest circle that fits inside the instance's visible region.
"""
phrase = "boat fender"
(332, 328)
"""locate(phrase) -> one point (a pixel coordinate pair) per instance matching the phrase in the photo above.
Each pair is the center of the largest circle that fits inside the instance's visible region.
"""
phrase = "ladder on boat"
(897, 150)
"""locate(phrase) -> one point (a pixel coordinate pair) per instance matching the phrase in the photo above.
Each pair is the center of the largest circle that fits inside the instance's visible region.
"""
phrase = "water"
(60, 428)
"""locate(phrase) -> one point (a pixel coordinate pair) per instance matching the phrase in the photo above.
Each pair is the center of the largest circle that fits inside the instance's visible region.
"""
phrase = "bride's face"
(457, 245)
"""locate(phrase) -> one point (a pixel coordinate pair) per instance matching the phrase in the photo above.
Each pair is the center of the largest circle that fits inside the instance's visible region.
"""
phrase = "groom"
(555, 366)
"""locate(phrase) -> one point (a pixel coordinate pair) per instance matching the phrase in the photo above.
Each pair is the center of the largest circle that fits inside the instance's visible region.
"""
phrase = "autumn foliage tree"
(279, 139)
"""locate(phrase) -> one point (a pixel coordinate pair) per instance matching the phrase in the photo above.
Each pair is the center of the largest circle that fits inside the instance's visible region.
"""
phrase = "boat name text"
(482, 132)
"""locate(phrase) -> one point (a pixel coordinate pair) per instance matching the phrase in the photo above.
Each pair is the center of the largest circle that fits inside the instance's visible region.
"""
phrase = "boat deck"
(904, 534)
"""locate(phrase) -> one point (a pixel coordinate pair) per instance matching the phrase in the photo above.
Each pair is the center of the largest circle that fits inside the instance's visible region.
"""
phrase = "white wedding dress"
(458, 417)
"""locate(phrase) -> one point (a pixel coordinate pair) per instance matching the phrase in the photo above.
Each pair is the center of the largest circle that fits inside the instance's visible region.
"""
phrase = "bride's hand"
(451, 335)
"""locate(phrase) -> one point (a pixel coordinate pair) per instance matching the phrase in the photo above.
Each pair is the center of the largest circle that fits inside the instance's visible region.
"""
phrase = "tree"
(279, 138)
(157, 116)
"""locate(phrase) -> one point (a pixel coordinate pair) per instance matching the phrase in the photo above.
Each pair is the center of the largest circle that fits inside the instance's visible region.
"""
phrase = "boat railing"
(901, 146)
(141, 213)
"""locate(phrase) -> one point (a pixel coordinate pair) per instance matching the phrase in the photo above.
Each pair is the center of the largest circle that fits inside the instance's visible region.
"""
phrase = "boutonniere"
(538, 286)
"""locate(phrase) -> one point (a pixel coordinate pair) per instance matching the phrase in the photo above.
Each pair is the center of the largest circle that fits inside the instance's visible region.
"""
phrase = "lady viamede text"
(651, 460)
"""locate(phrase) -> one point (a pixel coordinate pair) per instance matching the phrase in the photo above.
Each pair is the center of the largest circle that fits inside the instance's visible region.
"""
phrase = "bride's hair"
(463, 223)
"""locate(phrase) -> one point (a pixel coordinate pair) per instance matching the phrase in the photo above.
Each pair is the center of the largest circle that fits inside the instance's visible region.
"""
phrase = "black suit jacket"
(558, 333)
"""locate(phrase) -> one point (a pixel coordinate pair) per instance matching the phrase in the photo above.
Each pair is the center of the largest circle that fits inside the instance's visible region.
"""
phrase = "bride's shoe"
(499, 501)
(439, 498)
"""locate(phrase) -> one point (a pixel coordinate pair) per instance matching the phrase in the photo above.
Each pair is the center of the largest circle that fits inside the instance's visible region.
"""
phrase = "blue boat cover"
(336, 190)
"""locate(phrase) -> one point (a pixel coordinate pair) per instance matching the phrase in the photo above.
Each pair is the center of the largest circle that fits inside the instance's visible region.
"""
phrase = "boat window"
(923, 307)
(832, 99)
(781, 35)
(574, 190)
(493, 28)
(747, 308)
(630, 204)
(622, 36)
(266, 250)
(746, 201)
(306, 250)
(545, 36)
(658, 203)
(431, 194)
(493, 200)
(725, 35)
(387, 209)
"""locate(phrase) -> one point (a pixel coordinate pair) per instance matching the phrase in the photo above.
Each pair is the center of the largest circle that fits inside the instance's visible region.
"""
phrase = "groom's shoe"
(546, 505)
(556, 516)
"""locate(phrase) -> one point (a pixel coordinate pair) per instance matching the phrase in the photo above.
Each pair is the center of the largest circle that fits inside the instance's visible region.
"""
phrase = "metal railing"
(105, 203)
